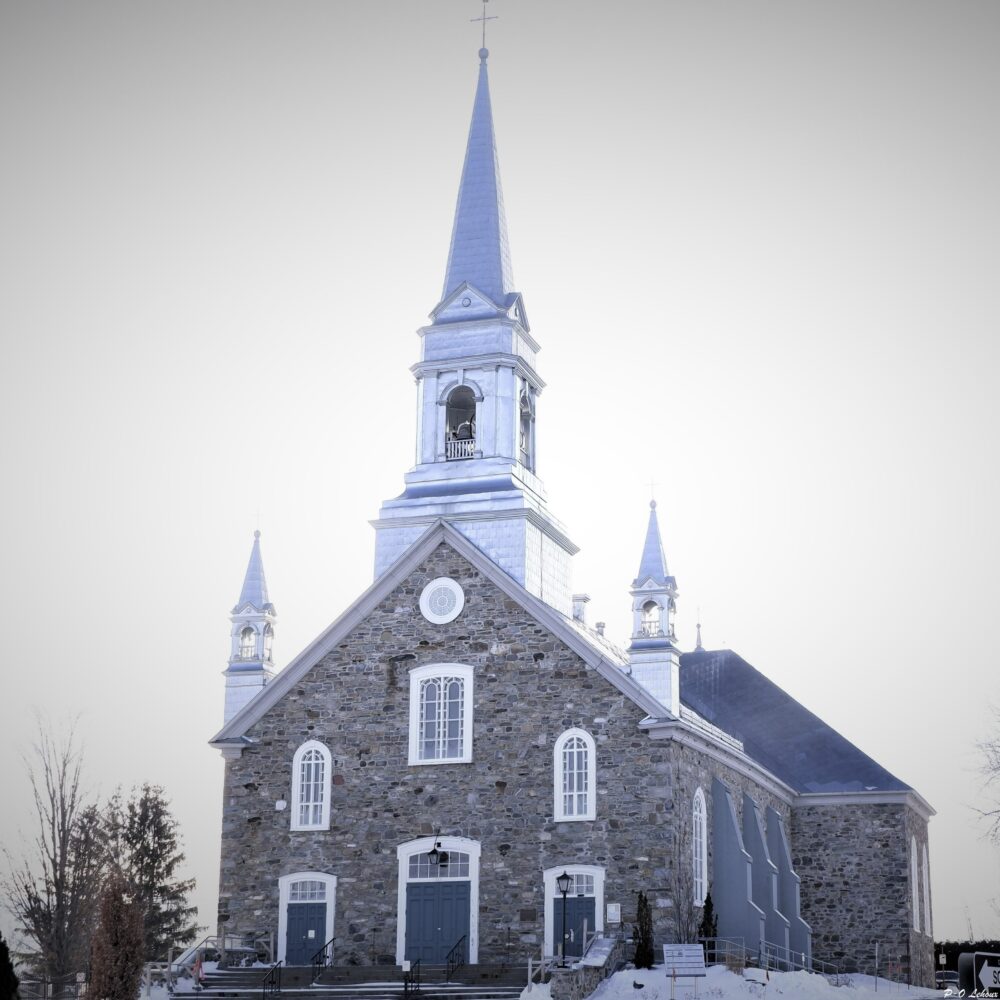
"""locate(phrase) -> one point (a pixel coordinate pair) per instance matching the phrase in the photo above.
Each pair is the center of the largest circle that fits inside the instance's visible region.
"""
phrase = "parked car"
(946, 980)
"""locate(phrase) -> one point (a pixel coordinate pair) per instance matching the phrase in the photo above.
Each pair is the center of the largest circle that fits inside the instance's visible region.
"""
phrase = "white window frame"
(403, 854)
(915, 882)
(324, 823)
(420, 674)
(699, 847)
(928, 923)
(558, 807)
(284, 891)
(553, 898)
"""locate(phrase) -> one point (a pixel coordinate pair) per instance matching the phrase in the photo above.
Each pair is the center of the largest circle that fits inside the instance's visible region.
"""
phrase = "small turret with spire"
(653, 655)
(251, 666)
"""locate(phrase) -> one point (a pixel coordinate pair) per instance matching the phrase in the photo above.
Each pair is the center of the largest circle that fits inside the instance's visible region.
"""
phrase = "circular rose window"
(442, 601)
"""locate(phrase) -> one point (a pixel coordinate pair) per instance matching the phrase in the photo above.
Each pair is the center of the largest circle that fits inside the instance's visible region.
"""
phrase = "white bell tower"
(251, 666)
(477, 398)
(653, 655)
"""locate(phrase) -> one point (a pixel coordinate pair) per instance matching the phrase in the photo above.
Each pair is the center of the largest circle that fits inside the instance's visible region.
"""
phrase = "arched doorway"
(438, 906)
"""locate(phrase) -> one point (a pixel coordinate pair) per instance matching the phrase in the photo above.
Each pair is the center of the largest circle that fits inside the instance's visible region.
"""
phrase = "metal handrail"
(322, 959)
(271, 983)
(455, 959)
(411, 979)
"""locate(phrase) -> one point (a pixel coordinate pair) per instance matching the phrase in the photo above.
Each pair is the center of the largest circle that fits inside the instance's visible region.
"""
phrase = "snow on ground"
(721, 984)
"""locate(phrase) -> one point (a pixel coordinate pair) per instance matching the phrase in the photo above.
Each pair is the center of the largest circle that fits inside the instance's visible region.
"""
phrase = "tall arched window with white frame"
(699, 848)
(927, 893)
(575, 774)
(915, 883)
(441, 699)
(311, 787)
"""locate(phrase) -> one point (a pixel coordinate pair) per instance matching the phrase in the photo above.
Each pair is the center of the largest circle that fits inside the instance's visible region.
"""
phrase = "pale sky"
(756, 241)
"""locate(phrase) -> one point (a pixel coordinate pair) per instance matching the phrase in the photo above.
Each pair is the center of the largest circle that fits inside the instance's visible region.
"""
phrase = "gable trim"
(396, 574)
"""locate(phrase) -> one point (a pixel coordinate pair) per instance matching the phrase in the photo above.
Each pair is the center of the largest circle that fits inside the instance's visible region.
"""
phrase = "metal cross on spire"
(484, 19)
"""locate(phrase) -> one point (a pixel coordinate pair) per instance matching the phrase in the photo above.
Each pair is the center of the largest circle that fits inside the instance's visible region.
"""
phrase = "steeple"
(477, 399)
(653, 655)
(653, 564)
(254, 590)
(250, 662)
(479, 253)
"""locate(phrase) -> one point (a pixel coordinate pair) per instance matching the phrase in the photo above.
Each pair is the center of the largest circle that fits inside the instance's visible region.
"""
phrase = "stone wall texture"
(854, 862)
(528, 689)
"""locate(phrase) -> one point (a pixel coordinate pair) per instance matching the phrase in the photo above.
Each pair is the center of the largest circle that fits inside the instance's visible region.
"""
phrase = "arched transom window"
(455, 865)
(575, 776)
(311, 787)
(441, 714)
(699, 847)
(307, 891)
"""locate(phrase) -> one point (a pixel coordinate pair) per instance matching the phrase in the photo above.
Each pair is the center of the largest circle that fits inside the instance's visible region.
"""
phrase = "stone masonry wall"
(529, 688)
(854, 861)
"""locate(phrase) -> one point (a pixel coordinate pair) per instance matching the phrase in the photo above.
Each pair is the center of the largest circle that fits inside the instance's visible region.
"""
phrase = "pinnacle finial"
(698, 644)
(256, 534)
(652, 505)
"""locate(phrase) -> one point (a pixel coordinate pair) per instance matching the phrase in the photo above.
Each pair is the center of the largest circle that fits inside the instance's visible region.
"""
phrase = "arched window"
(441, 714)
(460, 424)
(248, 643)
(575, 772)
(311, 787)
(927, 894)
(699, 847)
(268, 641)
(650, 618)
(527, 430)
(914, 883)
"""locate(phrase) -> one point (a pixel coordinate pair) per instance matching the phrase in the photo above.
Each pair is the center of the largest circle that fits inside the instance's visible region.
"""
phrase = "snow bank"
(721, 984)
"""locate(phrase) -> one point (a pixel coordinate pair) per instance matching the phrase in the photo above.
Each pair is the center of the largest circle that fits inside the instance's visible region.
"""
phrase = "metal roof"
(479, 251)
(254, 590)
(653, 564)
(776, 731)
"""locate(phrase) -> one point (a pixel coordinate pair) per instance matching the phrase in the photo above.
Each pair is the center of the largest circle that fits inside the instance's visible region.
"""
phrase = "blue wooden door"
(578, 909)
(437, 917)
(306, 932)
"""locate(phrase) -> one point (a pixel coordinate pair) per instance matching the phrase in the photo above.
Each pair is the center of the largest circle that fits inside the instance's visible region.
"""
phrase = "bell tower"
(477, 398)
(251, 666)
(653, 655)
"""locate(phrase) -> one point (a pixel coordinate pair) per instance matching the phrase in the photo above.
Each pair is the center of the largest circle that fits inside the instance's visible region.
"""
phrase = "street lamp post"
(562, 884)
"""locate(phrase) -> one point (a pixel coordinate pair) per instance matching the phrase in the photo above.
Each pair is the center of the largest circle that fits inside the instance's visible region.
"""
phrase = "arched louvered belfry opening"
(460, 423)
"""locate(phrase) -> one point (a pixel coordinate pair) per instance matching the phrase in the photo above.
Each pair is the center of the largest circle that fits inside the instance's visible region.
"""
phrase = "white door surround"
(284, 890)
(553, 897)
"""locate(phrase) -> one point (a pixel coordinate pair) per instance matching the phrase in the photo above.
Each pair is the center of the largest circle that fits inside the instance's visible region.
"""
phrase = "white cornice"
(687, 735)
(905, 797)
(497, 358)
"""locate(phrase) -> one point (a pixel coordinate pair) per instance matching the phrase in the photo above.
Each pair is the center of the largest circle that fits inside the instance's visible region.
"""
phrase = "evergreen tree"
(8, 978)
(644, 934)
(709, 926)
(151, 854)
(116, 952)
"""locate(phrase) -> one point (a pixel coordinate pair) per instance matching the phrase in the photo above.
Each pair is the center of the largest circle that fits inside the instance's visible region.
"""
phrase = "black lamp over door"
(562, 884)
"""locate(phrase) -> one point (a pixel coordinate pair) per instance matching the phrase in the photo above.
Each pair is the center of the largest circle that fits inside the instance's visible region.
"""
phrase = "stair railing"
(536, 969)
(411, 980)
(271, 983)
(455, 959)
(323, 959)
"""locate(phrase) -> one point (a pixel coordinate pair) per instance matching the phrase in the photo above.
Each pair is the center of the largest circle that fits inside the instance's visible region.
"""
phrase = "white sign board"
(614, 913)
(684, 961)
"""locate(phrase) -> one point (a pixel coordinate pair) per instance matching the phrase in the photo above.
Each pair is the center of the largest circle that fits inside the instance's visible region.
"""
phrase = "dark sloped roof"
(776, 731)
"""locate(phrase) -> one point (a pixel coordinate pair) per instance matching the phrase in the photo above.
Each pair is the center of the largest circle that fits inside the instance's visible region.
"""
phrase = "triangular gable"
(440, 531)
(452, 308)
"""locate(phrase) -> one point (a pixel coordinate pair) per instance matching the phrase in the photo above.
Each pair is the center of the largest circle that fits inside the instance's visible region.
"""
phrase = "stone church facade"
(418, 779)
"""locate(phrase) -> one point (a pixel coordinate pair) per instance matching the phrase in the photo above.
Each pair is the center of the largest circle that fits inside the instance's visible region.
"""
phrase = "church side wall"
(854, 862)
(529, 688)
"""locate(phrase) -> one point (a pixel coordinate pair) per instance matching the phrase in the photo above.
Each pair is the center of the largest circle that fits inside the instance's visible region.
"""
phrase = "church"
(462, 764)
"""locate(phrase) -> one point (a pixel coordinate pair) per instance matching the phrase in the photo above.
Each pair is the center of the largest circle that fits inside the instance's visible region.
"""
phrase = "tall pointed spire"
(254, 590)
(653, 564)
(480, 254)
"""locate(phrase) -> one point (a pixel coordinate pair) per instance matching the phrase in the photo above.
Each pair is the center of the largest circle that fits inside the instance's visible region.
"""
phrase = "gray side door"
(300, 944)
(578, 909)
